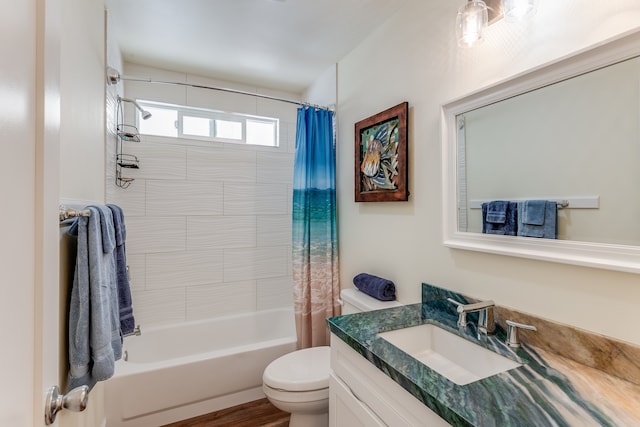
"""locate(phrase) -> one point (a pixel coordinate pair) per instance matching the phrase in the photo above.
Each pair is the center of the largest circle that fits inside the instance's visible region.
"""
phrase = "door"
(29, 193)
(47, 295)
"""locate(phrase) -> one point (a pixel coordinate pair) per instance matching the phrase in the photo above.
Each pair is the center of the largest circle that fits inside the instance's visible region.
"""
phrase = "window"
(162, 122)
(179, 121)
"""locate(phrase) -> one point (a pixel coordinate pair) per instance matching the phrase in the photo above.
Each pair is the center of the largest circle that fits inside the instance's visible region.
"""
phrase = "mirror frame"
(597, 255)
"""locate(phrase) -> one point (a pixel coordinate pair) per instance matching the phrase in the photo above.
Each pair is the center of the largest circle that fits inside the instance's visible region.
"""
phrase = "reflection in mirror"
(568, 130)
(576, 140)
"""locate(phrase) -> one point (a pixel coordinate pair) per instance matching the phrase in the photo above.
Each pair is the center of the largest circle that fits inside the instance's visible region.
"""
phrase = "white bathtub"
(178, 372)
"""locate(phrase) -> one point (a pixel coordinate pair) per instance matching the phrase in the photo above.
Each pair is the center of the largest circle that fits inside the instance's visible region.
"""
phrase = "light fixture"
(471, 21)
(518, 10)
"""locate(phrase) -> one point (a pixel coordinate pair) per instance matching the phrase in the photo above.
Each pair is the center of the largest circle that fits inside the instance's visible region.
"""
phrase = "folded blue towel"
(533, 212)
(497, 212)
(500, 217)
(538, 218)
(377, 287)
(127, 321)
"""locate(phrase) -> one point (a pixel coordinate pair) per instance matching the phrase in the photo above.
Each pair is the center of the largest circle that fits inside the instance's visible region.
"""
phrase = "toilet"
(298, 382)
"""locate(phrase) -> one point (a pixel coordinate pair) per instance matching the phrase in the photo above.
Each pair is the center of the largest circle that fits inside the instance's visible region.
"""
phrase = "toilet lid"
(301, 370)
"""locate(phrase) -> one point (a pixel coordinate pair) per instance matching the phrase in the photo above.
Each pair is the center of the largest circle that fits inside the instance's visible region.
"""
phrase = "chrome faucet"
(486, 321)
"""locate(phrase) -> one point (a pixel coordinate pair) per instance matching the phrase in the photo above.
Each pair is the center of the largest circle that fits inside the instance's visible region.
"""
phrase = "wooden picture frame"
(381, 156)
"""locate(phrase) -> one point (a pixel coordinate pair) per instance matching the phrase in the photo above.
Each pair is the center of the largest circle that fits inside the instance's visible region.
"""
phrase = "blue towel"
(127, 320)
(538, 218)
(94, 328)
(375, 286)
(500, 217)
(497, 212)
(533, 212)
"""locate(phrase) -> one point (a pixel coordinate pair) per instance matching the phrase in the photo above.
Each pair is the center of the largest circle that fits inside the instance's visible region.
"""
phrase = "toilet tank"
(355, 301)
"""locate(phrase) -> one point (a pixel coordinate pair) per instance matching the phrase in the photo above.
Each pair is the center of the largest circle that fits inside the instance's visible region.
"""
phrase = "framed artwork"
(381, 156)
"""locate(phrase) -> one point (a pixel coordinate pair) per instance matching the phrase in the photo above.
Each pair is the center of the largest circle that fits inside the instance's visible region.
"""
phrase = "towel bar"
(589, 202)
(136, 331)
(72, 213)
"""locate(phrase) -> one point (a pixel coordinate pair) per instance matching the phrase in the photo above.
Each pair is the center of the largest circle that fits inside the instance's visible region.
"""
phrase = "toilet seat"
(299, 371)
(306, 397)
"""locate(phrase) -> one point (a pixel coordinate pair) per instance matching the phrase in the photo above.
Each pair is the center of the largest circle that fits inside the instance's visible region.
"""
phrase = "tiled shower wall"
(208, 224)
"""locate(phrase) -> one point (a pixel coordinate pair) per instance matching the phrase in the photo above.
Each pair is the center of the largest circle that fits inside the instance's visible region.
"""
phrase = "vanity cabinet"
(361, 395)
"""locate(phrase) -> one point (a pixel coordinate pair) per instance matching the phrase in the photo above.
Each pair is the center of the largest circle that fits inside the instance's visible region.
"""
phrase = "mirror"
(569, 132)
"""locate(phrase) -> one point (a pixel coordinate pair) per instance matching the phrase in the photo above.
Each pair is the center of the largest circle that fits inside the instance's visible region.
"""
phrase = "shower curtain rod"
(113, 77)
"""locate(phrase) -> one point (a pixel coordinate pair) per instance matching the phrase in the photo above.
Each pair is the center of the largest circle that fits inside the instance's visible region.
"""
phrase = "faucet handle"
(462, 315)
(513, 340)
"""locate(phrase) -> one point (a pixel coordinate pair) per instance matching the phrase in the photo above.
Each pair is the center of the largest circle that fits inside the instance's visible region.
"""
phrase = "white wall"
(208, 224)
(82, 86)
(323, 90)
(423, 65)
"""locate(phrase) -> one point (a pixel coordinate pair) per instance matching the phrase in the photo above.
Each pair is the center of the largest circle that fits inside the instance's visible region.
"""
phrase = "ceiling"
(280, 44)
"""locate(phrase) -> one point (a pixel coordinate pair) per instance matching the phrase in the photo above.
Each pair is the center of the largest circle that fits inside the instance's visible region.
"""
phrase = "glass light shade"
(518, 10)
(471, 21)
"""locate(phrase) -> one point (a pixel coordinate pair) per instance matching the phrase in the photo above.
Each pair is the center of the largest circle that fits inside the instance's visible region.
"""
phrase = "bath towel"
(127, 320)
(500, 217)
(94, 328)
(375, 286)
(538, 218)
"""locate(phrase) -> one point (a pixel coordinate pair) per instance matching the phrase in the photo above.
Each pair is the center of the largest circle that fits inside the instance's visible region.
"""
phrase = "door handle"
(75, 401)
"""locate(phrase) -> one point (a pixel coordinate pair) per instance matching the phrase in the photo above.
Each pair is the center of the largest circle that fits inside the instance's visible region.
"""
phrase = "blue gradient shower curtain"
(315, 239)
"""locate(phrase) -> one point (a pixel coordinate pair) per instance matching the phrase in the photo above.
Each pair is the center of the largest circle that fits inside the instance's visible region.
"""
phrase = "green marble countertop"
(545, 391)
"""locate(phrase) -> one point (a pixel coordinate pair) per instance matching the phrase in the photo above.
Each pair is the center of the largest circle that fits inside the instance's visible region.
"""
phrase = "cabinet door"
(345, 410)
(392, 404)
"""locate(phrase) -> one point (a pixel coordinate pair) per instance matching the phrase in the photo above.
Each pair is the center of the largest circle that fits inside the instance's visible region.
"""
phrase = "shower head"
(145, 113)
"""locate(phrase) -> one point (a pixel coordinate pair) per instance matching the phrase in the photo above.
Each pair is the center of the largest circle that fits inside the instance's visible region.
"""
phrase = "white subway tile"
(221, 299)
(275, 293)
(253, 264)
(274, 230)
(210, 232)
(251, 199)
(290, 198)
(291, 137)
(173, 198)
(157, 161)
(137, 271)
(180, 269)
(156, 234)
(214, 164)
(272, 108)
(283, 136)
(275, 168)
(159, 307)
(155, 92)
(131, 199)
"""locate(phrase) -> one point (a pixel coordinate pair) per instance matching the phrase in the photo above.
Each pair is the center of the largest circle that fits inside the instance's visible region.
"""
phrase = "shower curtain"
(315, 242)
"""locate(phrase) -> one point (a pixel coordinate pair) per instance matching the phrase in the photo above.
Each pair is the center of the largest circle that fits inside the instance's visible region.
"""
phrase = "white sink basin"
(453, 357)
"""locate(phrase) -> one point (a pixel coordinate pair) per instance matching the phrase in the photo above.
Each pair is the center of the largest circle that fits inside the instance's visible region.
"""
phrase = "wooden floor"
(260, 413)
